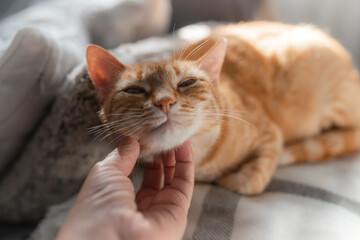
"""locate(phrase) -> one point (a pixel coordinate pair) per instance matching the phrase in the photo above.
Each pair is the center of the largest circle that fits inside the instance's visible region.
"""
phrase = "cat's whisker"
(134, 123)
(235, 111)
(131, 116)
(122, 114)
(110, 133)
(128, 132)
(116, 139)
(105, 124)
(130, 110)
(195, 50)
(124, 130)
(95, 129)
(210, 119)
(230, 116)
(137, 130)
(222, 121)
(134, 108)
(182, 51)
(106, 131)
(229, 110)
(224, 112)
(100, 129)
(187, 44)
(127, 113)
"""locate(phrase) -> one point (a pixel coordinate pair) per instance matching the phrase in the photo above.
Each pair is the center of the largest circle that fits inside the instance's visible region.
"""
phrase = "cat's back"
(292, 69)
(275, 38)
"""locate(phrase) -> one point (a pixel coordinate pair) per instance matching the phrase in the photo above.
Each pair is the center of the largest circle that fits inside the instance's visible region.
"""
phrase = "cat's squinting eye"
(134, 90)
(187, 82)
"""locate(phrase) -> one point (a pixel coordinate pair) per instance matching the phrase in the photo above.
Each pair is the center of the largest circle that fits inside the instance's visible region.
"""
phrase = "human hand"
(107, 208)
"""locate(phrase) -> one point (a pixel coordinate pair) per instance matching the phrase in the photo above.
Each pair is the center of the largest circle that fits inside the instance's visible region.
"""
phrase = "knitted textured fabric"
(59, 155)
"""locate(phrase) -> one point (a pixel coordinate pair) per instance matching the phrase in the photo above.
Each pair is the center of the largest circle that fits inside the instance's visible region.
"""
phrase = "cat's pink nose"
(165, 104)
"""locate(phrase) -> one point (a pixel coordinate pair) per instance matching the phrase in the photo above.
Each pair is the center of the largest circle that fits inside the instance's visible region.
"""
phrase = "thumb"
(124, 156)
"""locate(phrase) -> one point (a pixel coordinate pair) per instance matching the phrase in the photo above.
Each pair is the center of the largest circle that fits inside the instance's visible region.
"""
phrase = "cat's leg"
(341, 130)
(327, 145)
(254, 175)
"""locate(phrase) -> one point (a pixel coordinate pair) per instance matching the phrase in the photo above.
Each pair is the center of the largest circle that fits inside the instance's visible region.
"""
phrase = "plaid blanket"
(311, 201)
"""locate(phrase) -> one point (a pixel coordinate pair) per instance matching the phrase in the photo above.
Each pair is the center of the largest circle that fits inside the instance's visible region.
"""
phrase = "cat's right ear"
(213, 59)
(104, 69)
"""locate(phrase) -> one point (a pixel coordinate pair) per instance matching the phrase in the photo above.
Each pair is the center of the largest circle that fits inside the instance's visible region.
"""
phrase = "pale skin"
(108, 208)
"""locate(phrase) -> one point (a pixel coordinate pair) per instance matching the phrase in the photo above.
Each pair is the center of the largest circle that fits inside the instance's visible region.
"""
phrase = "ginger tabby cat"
(251, 97)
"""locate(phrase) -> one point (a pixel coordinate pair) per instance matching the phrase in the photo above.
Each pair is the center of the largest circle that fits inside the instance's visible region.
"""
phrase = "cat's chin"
(163, 138)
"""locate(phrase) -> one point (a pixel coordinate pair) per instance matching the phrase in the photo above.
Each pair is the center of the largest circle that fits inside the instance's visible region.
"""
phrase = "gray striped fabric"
(304, 202)
(310, 201)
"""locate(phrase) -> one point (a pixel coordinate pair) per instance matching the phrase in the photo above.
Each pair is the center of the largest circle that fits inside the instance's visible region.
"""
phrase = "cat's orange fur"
(284, 94)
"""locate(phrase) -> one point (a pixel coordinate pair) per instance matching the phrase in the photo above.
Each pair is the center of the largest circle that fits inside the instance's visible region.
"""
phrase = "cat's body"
(284, 94)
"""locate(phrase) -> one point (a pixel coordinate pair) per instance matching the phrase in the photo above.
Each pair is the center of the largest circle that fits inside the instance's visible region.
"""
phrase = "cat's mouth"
(167, 124)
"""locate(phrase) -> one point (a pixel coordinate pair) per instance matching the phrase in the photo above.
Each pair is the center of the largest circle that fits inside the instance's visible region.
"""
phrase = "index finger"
(184, 170)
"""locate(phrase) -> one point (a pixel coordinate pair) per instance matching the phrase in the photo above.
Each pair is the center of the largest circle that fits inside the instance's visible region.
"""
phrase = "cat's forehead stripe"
(172, 78)
(139, 74)
(157, 76)
(130, 75)
(176, 69)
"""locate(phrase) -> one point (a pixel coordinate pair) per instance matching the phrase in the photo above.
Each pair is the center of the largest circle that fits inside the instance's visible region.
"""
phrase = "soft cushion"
(31, 71)
(112, 22)
(50, 40)
(38, 47)
(55, 161)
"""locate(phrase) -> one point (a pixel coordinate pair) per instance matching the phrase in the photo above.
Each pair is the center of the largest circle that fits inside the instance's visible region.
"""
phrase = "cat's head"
(162, 104)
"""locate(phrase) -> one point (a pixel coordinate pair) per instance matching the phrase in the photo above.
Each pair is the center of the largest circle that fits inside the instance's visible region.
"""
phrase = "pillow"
(113, 22)
(50, 40)
(55, 161)
(39, 46)
(190, 11)
(31, 71)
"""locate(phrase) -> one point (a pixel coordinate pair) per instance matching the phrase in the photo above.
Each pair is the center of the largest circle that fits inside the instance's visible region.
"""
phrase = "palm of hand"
(107, 207)
(163, 199)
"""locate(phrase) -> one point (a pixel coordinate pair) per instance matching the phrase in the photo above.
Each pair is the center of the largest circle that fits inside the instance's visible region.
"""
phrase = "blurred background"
(339, 18)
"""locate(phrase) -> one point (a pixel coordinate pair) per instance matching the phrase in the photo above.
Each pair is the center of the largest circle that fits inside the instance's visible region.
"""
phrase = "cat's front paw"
(242, 183)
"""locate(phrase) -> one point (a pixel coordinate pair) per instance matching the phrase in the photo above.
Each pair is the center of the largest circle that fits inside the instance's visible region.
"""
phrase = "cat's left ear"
(213, 59)
(104, 69)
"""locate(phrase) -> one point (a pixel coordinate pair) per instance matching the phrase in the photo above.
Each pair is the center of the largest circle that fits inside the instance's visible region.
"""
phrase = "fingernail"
(112, 154)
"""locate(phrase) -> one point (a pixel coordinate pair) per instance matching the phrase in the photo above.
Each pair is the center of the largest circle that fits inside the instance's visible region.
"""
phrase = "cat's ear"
(104, 69)
(213, 59)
